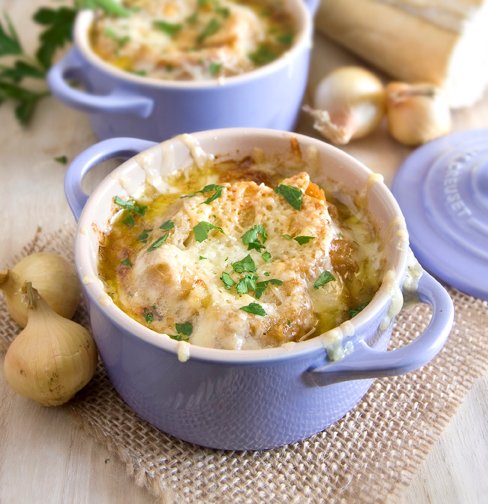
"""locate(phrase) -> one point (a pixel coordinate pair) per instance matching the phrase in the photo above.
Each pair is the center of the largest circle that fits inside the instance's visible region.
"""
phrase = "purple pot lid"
(442, 189)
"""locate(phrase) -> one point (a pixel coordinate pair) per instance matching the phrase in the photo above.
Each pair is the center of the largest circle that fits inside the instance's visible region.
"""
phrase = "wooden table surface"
(44, 456)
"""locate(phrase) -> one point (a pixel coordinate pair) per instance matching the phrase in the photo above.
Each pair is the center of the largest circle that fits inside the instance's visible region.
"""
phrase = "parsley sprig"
(56, 28)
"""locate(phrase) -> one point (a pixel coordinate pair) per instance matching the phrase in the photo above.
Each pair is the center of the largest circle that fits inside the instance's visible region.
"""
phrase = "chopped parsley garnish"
(143, 237)
(262, 55)
(214, 68)
(208, 188)
(213, 26)
(292, 194)
(61, 159)
(223, 11)
(217, 192)
(302, 240)
(254, 308)
(184, 331)
(266, 256)
(201, 258)
(227, 280)
(148, 315)
(121, 41)
(192, 19)
(170, 29)
(261, 286)
(246, 264)
(158, 243)
(186, 328)
(129, 220)
(130, 205)
(202, 229)
(247, 283)
(285, 38)
(354, 311)
(251, 237)
(126, 262)
(324, 278)
(142, 73)
(167, 225)
(287, 237)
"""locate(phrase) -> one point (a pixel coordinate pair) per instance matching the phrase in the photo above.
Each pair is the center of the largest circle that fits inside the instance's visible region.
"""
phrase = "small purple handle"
(118, 101)
(91, 157)
(366, 362)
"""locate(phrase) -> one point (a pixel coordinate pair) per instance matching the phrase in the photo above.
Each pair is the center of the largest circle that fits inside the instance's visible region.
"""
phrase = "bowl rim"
(303, 41)
(97, 294)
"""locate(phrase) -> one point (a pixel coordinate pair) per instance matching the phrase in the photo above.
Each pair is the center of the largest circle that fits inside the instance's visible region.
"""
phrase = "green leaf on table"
(9, 40)
(21, 70)
(58, 28)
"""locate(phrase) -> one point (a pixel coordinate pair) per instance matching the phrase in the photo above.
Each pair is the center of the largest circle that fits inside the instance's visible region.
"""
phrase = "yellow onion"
(51, 275)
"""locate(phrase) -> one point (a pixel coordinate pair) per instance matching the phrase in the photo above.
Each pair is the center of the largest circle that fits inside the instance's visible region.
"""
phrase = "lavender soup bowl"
(123, 104)
(254, 399)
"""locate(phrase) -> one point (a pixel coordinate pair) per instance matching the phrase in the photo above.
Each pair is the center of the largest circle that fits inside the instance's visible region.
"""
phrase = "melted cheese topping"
(239, 264)
(193, 39)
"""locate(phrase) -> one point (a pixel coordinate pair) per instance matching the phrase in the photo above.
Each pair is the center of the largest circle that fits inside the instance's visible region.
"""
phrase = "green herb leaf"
(201, 258)
(170, 29)
(129, 220)
(254, 308)
(246, 264)
(214, 68)
(126, 262)
(227, 280)
(266, 256)
(21, 70)
(184, 331)
(61, 159)
(251, 237)
(167, 225)
(130, 205)
(120, 40)
(261, 286)
(158, 243)
(148, 315)
(324, 278)
(186, 328)
(287, 237)
(143, 237)
(302, 240)
(223, 11)
(202, 229)
(292, 194)
(59, 26)
(9, 40)
(286, 38)
(213, 26)
(247, 283)
(179, 337)
(111, 7)
(262, 55)
(212, 187)
(354, 311)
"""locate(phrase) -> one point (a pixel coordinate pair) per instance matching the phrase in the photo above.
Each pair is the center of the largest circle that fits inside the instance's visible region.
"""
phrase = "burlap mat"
(368, 456)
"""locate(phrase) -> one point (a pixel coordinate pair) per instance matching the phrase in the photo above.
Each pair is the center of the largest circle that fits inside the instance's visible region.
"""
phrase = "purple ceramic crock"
(125, 104)
(252, 399)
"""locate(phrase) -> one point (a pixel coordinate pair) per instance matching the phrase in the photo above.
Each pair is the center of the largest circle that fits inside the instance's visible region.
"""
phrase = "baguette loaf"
(444, 42)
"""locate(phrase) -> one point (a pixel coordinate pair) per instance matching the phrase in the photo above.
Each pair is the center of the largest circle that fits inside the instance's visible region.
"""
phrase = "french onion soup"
(243, 253)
